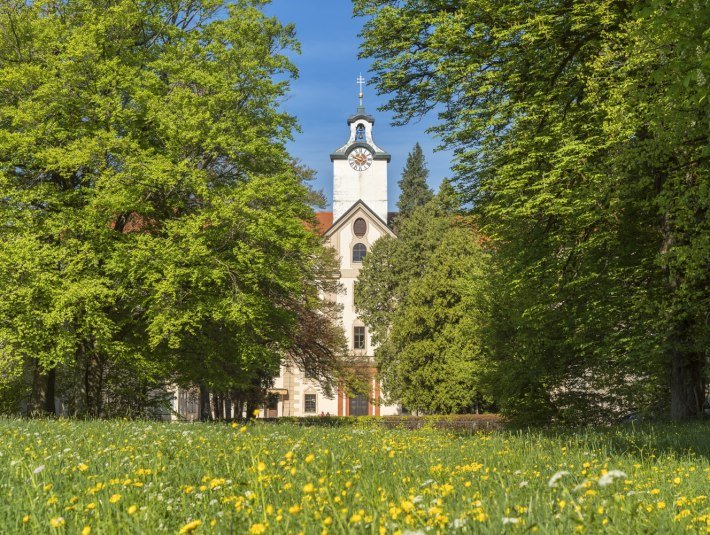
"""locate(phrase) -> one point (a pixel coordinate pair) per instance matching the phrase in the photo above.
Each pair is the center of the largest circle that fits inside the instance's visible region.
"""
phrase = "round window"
(360, 227)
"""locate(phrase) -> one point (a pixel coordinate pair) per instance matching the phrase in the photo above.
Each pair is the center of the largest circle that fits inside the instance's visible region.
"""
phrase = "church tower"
(360, 168)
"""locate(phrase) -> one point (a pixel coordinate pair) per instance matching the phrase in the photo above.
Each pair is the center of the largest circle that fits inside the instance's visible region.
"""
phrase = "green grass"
(145, 477)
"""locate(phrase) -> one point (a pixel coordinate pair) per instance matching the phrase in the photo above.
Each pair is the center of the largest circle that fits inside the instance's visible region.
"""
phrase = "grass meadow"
(66, 476)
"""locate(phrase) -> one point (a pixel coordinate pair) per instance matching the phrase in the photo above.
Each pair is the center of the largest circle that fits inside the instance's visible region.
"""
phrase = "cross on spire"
(360, 82)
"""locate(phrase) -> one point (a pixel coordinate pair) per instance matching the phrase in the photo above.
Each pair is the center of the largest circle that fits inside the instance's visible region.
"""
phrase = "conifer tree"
(414, 189)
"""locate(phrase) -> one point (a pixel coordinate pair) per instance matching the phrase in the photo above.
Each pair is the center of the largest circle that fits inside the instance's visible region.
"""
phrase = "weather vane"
(360, 81)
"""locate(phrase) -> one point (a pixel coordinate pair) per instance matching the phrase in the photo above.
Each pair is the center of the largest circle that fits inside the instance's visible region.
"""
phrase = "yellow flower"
(269, 509)
(115, 498)
(661, 505)
(309, 458)
(676, 480)
(355, 518)
(82, 467)
(256, 413)
(132, 509)
(257, 529)
(294, 509)
(57, 522)
(26, 518)
(90, 506)
(327, 521)
(235, 425)
(289, 455)
(655, 491)
(261, 466)
(86, 530)
(308, 488)
(190, 527)
(243, 429)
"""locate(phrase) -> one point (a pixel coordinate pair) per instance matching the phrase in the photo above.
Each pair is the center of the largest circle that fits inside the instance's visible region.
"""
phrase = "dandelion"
(115, 498)
(309, 458)
(556, 477)
(355, 518)
(308, 488)
(661, 505)
(257, 529)
(83, 467)
(190, 527)
(132, 509)
(608, 478)
(26, 519)
(86, 530)
(294, 509)
(57, 522)
(261, 466)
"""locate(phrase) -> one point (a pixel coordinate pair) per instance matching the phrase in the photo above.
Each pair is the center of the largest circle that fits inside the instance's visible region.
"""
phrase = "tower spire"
(360, 82)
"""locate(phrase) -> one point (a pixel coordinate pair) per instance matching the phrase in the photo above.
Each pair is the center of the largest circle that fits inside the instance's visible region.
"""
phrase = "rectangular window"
(359, 338)
(310, 403)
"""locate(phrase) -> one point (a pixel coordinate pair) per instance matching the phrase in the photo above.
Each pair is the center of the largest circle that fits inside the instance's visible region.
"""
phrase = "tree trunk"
(204, 403)
(687, 379)
(50, 392)
(227, 402)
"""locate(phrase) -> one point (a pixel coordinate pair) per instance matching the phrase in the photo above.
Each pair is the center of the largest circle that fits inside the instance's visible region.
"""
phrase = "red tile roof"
(325, 221)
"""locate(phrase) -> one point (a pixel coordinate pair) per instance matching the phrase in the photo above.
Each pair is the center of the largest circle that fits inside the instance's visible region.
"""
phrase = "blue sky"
(325, 94)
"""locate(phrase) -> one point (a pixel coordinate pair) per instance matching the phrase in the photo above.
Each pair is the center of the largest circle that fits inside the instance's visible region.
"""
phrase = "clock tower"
(360, 168)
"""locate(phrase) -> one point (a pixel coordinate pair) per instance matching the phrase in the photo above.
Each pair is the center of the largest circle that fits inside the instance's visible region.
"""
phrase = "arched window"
(360, 133)
(359, 252)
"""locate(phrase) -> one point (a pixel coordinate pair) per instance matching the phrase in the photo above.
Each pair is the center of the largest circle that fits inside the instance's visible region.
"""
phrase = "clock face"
(360, 159)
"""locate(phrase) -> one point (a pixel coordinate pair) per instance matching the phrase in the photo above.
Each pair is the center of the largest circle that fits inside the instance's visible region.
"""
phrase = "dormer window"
(360, 133)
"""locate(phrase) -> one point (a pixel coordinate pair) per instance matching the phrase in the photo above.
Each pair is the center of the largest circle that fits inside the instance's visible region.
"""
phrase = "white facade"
(359, 218)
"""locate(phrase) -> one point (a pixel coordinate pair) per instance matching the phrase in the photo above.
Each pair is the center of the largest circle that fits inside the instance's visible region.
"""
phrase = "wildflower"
(661, 505)
(257, 529)
(38, 469)
(608, 478)
(57, 522)
(26, 519)
(294, 509)
(309, 458)
(132, 509)
(190, 527)
(83, 467)
(308, 488)
(289, 455)
(90, 506)
(676, 480)
(510, 520)
(355, 518)
(261, 466)
(243, 429)
(115, 498)
(556, 477)
(86, 530)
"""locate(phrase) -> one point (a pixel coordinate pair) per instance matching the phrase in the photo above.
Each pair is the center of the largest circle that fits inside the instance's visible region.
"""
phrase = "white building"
(359, 218)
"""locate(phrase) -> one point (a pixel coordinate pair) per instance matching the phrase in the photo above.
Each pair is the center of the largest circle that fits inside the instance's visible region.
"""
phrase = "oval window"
(360, 227)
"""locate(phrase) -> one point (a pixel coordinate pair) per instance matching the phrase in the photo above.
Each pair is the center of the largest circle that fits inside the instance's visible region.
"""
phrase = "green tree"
(153, 227)
(423, 297)
(580, 136)
(414, 189)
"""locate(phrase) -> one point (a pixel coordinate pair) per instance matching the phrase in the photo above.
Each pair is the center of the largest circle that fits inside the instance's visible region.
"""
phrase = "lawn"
(131, 477)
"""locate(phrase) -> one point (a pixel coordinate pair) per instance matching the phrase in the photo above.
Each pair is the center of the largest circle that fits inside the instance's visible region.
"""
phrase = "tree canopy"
(413, 186)
(153, 227)
(580, 135)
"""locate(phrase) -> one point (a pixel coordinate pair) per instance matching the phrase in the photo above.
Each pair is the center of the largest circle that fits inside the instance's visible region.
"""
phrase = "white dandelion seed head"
(38, 469)
(510, 520)
(523, 484)
(552, 483)
(610, 476)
